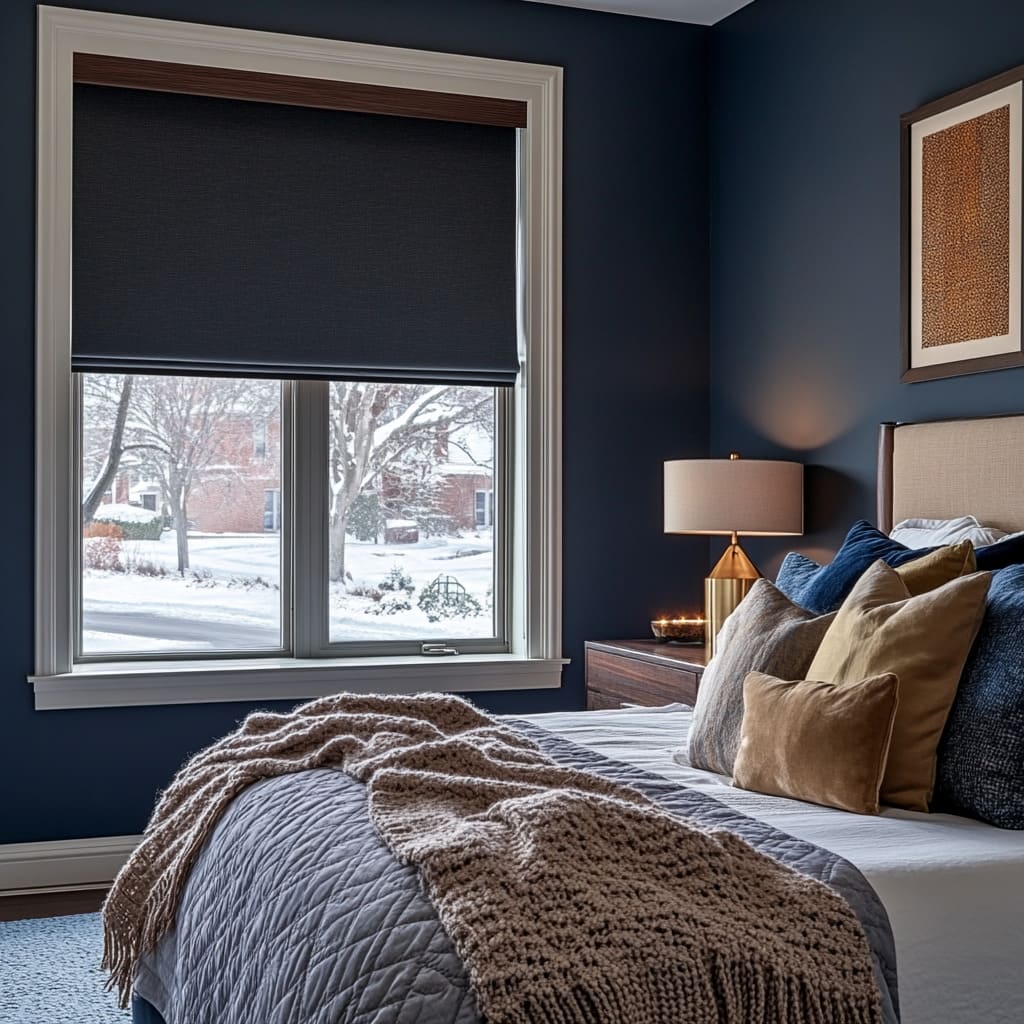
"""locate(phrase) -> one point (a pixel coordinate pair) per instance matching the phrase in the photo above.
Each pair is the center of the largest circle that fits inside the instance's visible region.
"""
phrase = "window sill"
(120, 684)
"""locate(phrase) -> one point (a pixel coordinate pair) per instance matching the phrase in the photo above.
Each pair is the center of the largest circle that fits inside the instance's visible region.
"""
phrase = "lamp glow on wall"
(736, 498)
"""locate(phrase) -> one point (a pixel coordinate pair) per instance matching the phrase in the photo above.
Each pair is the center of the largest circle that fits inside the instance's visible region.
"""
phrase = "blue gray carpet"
(50, 973)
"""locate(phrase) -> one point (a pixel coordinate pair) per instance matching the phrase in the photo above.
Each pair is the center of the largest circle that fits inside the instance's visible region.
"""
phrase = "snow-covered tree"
(375, 428)
(107, 398)
(177, 424)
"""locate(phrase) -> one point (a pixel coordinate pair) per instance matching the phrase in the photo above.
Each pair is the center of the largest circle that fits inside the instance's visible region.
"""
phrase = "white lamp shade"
(751, 497)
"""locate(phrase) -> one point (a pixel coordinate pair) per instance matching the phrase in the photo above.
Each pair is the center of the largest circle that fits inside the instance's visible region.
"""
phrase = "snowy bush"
(447, 598)
(145, 567)
(101, 547)
(391, 604)
(252, 583)
(366, 517)
(365, 590)
(397, 580)
(136, 523)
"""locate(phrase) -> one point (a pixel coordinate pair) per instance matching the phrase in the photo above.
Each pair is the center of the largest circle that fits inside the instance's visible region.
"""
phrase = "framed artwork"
(961, 231)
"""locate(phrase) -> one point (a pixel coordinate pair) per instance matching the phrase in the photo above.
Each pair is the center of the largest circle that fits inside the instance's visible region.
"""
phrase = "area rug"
(50, 973)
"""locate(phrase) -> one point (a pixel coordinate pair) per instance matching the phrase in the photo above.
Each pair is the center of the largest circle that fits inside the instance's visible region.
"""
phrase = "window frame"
(312, 401)
(80, 659)
(534, 449)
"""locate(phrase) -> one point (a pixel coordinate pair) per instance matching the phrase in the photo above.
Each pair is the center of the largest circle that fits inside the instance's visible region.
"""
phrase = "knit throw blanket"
(570, 898)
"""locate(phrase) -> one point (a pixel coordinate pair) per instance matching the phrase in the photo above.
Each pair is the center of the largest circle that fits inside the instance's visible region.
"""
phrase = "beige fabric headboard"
(952, 468)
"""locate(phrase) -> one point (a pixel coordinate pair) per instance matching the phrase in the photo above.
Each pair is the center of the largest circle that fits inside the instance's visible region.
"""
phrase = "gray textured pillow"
(766, 633)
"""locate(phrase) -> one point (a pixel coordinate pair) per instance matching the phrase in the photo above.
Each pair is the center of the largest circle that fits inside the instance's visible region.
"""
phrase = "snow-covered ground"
(231, 599)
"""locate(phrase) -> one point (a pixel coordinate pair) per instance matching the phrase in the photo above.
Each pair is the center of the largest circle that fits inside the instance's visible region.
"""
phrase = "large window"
(225, 511)
(182, 551)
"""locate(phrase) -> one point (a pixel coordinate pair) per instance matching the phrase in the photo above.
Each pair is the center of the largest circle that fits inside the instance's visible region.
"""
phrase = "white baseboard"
(66, 863)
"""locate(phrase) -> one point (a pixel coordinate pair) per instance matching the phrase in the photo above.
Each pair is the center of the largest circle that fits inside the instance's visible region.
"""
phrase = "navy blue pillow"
(980, 769)
(999, 556)
(825, 590)
(795, 574)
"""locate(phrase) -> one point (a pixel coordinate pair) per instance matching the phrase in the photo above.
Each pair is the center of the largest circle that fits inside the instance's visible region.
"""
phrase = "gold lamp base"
(725, 586)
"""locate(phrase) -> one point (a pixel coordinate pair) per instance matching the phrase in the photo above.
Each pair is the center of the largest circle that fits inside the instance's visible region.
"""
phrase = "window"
(259, 439)
(206, 578)
(278, 549)
(272, 511)
(484, 508)
(404, 563)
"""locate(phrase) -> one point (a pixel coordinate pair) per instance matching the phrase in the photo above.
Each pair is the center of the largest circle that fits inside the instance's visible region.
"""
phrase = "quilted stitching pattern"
(296, 913)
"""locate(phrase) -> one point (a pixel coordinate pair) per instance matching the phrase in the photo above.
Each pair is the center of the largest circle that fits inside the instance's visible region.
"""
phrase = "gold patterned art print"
(962, 224)
(965, 230)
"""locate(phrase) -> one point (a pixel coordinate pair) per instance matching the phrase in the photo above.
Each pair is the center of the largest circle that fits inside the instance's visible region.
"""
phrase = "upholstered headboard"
(950, 468)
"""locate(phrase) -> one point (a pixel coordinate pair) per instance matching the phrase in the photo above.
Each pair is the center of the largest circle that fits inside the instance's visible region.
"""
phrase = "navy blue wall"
(635, 362)
(806, 99)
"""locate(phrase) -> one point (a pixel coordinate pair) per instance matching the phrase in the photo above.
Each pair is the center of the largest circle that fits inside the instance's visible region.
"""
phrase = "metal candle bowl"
(690, 631)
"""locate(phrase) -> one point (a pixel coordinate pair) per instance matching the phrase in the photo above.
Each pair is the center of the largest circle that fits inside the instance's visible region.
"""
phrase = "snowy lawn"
(230, 598)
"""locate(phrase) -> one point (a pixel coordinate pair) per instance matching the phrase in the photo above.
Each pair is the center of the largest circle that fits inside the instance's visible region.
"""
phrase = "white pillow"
(929, 533)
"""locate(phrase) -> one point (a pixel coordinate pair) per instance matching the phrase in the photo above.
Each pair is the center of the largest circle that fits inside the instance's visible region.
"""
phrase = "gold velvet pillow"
(924, 641)
(938, 567)
(826, 743)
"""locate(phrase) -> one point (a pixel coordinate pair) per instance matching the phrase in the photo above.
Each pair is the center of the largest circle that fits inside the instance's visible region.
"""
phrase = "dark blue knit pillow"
(795, 574)
(999, 556)
(981, 756)
(824, 590)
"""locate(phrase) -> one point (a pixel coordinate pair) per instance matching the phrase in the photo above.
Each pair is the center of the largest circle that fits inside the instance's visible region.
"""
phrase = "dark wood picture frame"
(957, 365)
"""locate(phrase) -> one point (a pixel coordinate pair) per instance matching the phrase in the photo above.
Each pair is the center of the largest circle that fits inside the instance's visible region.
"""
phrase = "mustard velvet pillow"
(924, 641)
(938, 567)
(826, 743)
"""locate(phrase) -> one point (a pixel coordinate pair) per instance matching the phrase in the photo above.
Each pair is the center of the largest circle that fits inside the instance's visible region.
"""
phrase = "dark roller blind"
(220, 236)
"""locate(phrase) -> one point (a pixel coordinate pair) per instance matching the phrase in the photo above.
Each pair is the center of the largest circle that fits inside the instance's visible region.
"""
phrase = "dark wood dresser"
(645, 672)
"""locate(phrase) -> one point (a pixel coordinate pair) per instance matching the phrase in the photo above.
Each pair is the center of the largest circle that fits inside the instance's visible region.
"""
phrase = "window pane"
(411, 557)
(181, 546)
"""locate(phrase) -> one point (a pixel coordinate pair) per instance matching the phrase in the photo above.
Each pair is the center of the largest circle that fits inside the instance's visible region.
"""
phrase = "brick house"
(240, 491)
(467, 496)
(464, 498)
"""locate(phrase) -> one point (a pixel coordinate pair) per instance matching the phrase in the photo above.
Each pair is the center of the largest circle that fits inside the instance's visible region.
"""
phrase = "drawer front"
(632, 681)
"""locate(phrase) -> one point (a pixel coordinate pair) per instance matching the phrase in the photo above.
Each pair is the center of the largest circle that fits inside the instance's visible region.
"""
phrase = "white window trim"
(536, 599)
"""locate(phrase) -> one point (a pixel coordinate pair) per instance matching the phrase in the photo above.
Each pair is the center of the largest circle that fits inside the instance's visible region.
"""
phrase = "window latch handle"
(438, 650)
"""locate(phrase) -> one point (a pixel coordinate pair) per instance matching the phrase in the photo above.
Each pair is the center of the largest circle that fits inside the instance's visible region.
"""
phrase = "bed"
(952, 887)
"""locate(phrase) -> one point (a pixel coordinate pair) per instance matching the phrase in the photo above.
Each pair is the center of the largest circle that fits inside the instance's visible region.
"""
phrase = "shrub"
(135, 523)
(203, 578)
(145, 567)
(447, 598)
(102, 529)
(391, 604)
(397, 580)
(252, 583)
(366, 518)
(365, 590)
(434, 524)
(101, 547)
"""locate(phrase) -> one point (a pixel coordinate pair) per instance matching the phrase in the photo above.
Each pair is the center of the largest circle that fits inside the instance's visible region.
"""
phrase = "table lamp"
(733, 497)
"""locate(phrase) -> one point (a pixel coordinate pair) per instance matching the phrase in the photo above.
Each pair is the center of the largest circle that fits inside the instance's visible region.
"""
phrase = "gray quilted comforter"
(296, 913)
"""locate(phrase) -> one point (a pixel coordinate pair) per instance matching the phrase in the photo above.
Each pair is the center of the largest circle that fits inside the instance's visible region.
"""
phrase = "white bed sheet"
(953, 887)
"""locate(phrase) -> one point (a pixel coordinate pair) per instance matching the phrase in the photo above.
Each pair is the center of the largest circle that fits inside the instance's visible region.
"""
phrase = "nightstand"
(645, 672)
